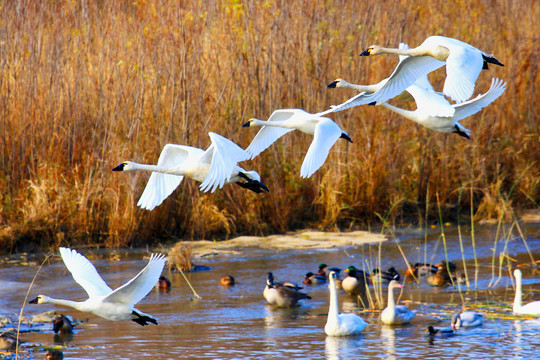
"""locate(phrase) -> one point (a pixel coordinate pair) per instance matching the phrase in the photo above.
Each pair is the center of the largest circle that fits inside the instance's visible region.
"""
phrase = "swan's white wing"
(430, 102)
(326, 134)
(463, 66)
(473, 106)
(222, 155)
(137, 288)
(160, 185)
(84, 273)
(269, 134)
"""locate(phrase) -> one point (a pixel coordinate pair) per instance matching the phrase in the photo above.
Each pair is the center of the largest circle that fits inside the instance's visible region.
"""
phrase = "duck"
(288, 284)
(443, 332)
(463, 63)
(62, 325)
(54, 355)
(163, 283)
(532, 308)
(466, 319)
(115, 305)
(396, 314)
(440, 278)
(426, 100)
(420, 270)
(8, 341)
(340, 324)
(355, 281)
(378, 276)
(449, 266)
(325, 133)
(314, 279)
(324, 270)
(282, 296)
(214, 168)
(227, 281)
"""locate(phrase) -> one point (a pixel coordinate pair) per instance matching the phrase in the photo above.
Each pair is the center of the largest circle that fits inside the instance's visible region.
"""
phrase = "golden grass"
(86, 85)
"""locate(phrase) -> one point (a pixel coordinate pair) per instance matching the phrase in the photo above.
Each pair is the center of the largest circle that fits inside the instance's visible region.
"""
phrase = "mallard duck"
(396, 314)
(8, 341)
(226, 281)
(164, 283)
(420, 270)
(466, 319)
(440, 278)
(355, 282)
(532, 308)
(62, 325)
(314, 279)
(282, 296)
(324, 270)
(340, 324)
(379, 276)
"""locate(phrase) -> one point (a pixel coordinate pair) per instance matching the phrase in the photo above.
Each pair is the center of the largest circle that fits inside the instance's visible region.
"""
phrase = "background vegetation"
(85, 85)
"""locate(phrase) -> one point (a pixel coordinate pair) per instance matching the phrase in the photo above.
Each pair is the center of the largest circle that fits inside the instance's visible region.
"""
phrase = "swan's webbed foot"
(461, 133)
(253, 185)
(143, 319)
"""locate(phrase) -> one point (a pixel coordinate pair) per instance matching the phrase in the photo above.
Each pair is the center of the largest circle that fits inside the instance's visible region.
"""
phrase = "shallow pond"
(236, 323)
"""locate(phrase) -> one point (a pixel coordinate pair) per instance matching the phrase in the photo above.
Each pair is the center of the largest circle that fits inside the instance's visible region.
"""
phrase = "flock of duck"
(218, 164)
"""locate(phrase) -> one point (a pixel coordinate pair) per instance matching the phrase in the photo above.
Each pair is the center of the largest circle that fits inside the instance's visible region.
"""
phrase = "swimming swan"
(102, 300)
(463, 62)
(466, 319)
(427, 100)
(325, 133)
(213, 168)
(396, 314)
(341, 324)
(532, 308)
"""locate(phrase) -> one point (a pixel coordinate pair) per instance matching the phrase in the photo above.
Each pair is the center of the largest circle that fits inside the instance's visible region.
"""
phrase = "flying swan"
(102, 300)
(463, 62)
(325, 133)
(213, 168)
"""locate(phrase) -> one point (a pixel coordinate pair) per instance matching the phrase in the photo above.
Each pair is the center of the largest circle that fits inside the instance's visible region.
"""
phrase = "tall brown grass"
(85, 85)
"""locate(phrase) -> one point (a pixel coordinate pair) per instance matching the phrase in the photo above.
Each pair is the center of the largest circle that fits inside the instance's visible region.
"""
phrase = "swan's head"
(517, 274)
(338, 83)
(332, 276)
(40, 299)
(372, 50)
(125, 166)
(395, 284)
(249, 122)
(456, 321)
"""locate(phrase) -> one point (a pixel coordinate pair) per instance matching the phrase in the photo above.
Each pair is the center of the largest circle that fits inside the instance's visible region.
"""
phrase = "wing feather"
(326, 134)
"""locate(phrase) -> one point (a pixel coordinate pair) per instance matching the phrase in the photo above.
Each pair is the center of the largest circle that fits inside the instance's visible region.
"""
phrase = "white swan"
(341, 324)
(436, 106)
(426, 101)
(102, 300)
(532, 308)
(214, 167)
(325, 133)
(396, 314)
(466, 319)
(463, 62)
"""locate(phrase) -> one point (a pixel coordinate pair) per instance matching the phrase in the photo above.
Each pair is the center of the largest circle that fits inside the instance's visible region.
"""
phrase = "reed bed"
(85, 85)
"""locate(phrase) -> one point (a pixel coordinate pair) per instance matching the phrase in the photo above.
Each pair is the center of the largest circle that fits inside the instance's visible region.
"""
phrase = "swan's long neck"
(275, 123)
(517, 299)
(359, 88)
(333, 311)
(73, 304)
(411, 115)
(156, 168)
(391, 302)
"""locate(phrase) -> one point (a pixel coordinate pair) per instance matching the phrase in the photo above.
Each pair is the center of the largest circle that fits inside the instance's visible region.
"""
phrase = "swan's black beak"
(346, 137)
(332, 85)
(35, 301)
(247, 124)
(365, 53)
(119, 167)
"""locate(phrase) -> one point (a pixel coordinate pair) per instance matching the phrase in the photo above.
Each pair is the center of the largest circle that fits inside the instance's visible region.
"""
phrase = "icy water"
(236, 323)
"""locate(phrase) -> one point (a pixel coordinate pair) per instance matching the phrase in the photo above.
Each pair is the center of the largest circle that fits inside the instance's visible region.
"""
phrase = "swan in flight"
(396, 314)
(435, 104)
(341, 324)
(532, 308)
(325, 133)
(102, 300)
(213, 168)
(463, 62)
(427, 100)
